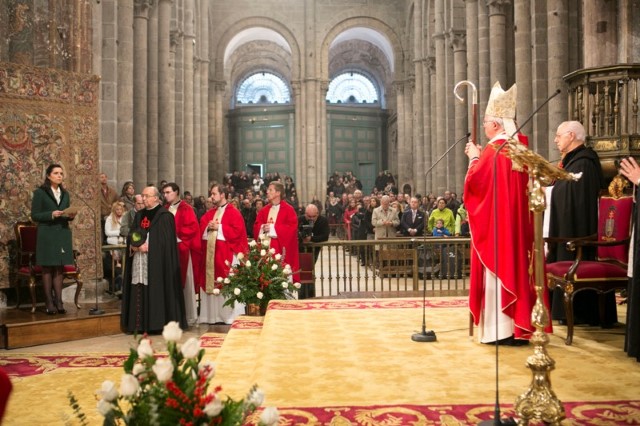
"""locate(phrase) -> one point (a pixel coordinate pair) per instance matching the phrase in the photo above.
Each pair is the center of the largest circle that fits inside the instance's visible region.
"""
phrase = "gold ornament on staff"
(539, 401)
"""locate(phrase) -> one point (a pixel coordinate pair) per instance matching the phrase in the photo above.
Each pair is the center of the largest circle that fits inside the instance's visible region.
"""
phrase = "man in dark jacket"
(312, 228)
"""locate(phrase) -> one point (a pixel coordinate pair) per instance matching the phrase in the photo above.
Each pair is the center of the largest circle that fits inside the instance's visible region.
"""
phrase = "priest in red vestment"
(187, 233)
(278, 222)
(224, 235)
(490, 171)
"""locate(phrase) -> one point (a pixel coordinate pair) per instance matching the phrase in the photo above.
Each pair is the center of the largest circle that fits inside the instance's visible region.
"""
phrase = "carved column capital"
(497, 7)
(458, 40)
(175, 36)
(141, 8)
(430, 63)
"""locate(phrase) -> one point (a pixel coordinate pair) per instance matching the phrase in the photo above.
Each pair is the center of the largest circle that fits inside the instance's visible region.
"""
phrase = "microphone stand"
(497, 421)
(430, 336)
(96, 309)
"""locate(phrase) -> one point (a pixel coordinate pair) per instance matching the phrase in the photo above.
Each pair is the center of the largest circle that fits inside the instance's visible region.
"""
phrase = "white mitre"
(502, 104)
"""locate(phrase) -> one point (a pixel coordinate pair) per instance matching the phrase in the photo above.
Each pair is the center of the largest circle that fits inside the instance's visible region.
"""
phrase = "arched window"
(352, 87)
(263, 88)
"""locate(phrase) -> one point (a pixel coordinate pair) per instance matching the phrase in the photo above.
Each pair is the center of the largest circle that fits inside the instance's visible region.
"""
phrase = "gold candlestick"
(539, 401)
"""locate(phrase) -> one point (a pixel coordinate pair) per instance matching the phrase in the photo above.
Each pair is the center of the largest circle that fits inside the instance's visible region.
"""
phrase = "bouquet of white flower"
(260, 276)
(172, 390)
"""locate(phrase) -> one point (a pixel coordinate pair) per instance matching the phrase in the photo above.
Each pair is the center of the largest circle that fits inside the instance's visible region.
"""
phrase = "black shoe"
(61, 310)
(50, 312)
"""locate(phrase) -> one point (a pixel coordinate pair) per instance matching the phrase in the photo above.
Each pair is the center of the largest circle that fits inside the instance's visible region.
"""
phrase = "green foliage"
(260, 276)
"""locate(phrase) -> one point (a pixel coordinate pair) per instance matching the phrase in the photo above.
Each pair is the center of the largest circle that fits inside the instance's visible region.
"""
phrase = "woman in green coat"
(53, 246)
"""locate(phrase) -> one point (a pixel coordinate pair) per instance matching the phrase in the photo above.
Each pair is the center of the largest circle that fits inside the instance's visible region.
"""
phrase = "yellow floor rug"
(354, 361)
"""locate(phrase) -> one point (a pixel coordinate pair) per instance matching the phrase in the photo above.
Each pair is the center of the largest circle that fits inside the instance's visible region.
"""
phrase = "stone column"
(109, 91)
(313, 183)
(166, 141)
(197, 121)
(323, 170)
(601, 27)
(188, 44)
(457, 157)
(140, 27)
(177, 70)
(539, 70)
(217, 166)
(152, 97)
(298, 135)
(497, 40)
(472, 42)
(125, 92)
(433, 121)
(418, 103)
(203, 179)
(405, 149)
(558, 65)
(524, 77)
(440, 171)
(484, 70)
(429, 123)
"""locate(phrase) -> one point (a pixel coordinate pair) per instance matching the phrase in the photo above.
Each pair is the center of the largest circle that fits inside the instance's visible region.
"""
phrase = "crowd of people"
(184, 244)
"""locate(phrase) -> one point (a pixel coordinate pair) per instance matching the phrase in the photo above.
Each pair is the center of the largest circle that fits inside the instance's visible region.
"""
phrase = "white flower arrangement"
(172, 390)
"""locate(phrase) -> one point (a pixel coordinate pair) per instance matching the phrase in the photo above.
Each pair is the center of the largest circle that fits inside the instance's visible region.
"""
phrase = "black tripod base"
(96, 311)
(509, 421)
(424, 336)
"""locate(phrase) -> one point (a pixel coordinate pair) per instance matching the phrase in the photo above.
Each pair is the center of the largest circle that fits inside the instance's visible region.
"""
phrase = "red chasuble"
(287, 230)
(188, 231)
(235, 234)
(514, 237)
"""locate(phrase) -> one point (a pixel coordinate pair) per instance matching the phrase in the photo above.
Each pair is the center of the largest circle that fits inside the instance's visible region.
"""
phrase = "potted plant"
(259, 276)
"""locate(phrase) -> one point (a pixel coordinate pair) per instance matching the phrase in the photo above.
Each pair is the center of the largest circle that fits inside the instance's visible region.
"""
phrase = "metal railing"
(391, 267)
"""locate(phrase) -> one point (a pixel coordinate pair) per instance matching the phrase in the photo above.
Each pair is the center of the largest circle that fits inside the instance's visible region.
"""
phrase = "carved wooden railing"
(606, 101)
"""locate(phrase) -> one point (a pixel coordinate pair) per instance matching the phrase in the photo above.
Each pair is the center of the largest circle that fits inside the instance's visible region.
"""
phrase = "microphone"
(424, 335)
(96, 309)
(497, 421)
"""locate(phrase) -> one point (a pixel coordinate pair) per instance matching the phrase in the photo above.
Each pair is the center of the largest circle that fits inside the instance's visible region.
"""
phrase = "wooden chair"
(28, 272)
(307, 274)
(605, 274)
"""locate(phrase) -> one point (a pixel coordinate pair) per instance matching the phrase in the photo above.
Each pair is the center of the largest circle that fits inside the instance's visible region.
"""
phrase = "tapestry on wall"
(48, 116)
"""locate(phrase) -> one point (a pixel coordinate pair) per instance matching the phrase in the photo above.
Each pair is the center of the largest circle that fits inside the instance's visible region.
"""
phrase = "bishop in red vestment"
(492, 174)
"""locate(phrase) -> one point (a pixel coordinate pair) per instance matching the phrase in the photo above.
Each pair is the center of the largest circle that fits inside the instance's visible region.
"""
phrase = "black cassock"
(632, 337)
(147, 308)
(574, 213)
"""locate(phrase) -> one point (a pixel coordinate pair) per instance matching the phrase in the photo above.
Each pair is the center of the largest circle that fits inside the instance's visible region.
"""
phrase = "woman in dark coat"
(53, 246)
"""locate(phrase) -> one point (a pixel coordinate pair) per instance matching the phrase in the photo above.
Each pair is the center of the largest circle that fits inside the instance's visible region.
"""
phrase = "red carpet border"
(368, 304)
(24, 366)
(613, 413)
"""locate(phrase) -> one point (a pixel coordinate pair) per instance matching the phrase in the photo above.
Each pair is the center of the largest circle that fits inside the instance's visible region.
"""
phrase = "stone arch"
(256, 56)
(227, 34)
(372, 23)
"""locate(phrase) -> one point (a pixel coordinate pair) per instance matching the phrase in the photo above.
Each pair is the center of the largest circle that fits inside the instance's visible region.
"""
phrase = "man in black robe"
(574, 213)
(152, 293)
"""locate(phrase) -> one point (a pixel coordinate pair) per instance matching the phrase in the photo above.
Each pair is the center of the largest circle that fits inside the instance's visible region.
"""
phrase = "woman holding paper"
(53, 246)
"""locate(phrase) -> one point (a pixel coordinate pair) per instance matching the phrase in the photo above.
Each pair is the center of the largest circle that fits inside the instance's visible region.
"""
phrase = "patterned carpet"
(352, 362)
